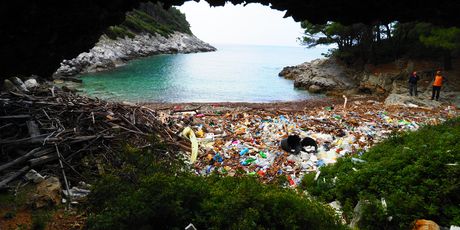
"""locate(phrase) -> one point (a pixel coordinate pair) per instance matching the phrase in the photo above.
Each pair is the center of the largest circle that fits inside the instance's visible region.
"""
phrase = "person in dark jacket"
(413, 78)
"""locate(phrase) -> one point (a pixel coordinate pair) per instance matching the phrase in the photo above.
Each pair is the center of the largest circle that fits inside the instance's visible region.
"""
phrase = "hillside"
(152, 19)
(147, 30)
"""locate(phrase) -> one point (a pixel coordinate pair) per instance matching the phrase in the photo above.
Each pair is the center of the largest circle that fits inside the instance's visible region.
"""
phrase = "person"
(413, 78)
(437, 83)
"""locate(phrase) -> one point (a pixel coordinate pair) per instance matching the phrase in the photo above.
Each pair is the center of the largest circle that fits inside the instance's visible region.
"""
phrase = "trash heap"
(245, 141)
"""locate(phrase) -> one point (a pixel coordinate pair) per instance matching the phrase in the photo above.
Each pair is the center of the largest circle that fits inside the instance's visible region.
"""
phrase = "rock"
(31, 84)
(8, 86)
(410, 101)
(327, 74)
(315, 89)
(34, 176)
(108, 54)
(19, 84)
(66, 88)
(47, 194)
(287, 72)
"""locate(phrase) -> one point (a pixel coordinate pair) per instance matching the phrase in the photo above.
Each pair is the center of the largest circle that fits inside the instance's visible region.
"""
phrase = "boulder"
(377, 83)
(322, 74)
(411, 101)
(31, 84)
(34, 176)
(287, 72)
(47, 193)
(315, 89)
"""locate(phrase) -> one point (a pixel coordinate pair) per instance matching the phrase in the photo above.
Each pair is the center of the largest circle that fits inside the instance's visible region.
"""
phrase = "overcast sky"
(253, 24)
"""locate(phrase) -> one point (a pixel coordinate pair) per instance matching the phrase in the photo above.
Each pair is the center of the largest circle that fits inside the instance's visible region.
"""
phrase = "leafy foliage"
(114, 32)
(146, 195)
(330, 33)
(383, 42)
(150, 18)
(416, 173)
(445, 38)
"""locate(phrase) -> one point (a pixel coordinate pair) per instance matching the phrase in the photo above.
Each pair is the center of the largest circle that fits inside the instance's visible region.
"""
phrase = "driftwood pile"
(51, 132)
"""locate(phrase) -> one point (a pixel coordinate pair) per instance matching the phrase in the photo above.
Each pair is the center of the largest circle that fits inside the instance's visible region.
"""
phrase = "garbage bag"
(291, 144)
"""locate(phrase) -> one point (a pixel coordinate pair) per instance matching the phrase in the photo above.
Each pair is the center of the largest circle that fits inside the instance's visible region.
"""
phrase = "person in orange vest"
(437, 85)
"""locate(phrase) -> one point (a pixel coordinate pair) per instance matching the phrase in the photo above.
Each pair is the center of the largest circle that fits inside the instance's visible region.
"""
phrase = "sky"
(253, 24)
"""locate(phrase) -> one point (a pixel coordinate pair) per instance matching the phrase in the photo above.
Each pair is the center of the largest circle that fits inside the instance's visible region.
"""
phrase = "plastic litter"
(244, 151)
(255, 142)
(189, 134)
(76, 193)
(190, 227)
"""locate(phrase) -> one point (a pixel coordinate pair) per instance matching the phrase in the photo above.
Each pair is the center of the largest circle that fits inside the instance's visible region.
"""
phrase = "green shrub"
(143, 194)
(40, 219)
(114, 32)
(414, 172)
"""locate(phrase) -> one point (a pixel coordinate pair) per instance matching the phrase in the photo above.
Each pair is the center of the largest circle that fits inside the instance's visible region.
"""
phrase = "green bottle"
(262, 154)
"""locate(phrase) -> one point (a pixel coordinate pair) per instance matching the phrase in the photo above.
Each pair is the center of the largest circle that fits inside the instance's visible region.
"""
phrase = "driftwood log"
(54, 130)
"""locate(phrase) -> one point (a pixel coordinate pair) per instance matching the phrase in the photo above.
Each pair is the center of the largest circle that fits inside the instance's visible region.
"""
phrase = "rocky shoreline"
(388, 81)
(108, 54)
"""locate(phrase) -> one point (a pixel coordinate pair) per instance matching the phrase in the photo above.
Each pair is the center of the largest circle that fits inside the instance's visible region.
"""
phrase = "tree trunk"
(388, 31)
(378, 33)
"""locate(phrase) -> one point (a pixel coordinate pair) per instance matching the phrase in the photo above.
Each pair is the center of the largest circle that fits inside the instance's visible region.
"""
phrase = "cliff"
(146, 31)
(108, 53)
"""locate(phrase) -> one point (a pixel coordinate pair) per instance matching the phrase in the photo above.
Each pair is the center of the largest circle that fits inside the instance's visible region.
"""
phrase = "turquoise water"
(234, 73)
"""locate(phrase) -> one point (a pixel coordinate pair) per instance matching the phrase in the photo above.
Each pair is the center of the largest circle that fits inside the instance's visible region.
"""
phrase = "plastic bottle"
(262, 154)
(244, 151)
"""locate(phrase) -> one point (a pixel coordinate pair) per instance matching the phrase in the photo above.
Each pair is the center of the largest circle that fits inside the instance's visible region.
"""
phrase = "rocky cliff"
(148, 30)
(108, 53)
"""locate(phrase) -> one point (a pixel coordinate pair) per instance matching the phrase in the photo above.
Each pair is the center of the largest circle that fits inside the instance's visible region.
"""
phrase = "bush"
(150, 18)
(114, 32)
(413, 172)
(165, 197)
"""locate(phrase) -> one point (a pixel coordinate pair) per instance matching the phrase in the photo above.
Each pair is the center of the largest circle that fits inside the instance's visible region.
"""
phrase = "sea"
(234, 73)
